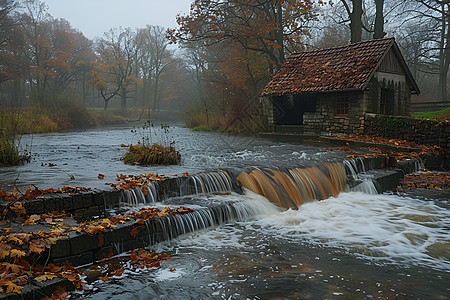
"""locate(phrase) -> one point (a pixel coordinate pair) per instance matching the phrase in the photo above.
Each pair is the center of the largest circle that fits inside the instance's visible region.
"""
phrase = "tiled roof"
(342, 68)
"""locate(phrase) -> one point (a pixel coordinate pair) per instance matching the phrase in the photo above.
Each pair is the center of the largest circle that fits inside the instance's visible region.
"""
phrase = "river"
(356, 245)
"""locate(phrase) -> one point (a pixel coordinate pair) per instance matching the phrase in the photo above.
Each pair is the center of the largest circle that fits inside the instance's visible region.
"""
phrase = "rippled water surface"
(85, 154)
(354, 246)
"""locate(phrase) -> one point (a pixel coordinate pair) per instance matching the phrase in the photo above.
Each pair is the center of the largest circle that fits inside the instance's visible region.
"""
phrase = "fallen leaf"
(14, 253)
(105, 278)
(45, 277)
(10, 286)
(134, 232)
(60, 294)
(18, 209)
(118, 272)
(38, 245)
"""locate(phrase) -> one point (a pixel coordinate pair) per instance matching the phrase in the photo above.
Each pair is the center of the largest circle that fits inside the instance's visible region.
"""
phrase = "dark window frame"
(342, 104)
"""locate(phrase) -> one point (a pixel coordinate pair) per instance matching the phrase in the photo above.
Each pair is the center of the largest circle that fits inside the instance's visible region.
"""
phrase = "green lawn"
(432, 114)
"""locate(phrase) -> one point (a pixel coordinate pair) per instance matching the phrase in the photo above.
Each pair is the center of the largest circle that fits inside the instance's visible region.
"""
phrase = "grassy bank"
(440, 114)
(224, 123)
(14, 122)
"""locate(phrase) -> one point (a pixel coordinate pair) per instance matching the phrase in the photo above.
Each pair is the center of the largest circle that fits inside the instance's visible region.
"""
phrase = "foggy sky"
(94, 17)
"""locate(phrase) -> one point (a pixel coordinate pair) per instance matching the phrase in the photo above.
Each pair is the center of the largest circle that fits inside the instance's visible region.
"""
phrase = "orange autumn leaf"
(14, 253)
(15, 240)
(38, 245)
(134, 232)
(101, 176)
(10, 286)
(45, 277)
(118, 272)
(105, 278)
(29, 221)
(18, 209)
(60, 294)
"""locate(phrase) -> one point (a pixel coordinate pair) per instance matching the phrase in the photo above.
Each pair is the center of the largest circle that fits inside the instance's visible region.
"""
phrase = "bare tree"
(113, 73)
(436, 51)
(155, 57)
(354, 13)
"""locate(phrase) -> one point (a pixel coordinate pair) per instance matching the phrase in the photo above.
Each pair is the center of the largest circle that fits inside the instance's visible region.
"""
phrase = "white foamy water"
(380, 227)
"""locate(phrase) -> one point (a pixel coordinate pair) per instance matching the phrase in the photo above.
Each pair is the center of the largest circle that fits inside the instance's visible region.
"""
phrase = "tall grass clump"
(11, 129)
(151, 152)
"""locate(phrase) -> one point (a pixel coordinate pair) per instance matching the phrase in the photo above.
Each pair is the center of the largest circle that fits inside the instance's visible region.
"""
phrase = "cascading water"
(287, 188)
(206, 183)
(219, 182)
(293, 187)
(233, 208)
(356, 246)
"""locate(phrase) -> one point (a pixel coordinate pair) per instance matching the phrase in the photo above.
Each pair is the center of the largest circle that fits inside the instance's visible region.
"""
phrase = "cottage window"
(383, 100)
(342, 104)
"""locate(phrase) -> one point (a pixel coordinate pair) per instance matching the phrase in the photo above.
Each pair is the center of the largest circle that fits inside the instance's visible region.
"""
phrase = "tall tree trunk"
(444, 54)
(279, 34)
(379, 20)
(123, 104)
(83, 85)
(355, 21)
(155, 94)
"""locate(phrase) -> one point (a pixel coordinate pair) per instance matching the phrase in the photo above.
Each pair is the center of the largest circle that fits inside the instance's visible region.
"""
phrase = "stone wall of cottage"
(268, 111)
(324, 119)
(420, 131)
(398, 88)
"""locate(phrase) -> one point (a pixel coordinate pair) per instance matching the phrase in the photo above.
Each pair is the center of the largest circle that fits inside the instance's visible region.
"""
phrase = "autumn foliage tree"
(249, 38)
(113, 72)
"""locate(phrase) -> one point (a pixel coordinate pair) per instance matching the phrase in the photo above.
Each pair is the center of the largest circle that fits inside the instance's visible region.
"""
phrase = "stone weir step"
(81, 249)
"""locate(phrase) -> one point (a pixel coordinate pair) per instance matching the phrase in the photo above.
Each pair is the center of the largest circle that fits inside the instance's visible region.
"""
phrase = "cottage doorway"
(292, 107)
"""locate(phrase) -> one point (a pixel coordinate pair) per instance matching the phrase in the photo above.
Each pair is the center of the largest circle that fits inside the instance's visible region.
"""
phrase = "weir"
(285, 187)
(206, 183)
(217, 197)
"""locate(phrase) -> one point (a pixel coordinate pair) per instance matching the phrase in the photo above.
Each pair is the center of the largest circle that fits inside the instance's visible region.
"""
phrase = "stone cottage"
(332, 90)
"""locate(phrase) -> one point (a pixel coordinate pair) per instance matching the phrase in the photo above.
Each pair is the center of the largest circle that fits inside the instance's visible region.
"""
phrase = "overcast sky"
(94, 17)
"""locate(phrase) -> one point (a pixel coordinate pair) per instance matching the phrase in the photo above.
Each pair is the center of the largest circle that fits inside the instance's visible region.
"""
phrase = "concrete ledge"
(334, 140)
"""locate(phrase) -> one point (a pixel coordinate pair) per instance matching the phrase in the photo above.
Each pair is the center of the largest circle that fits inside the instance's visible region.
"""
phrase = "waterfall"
(218, 182)
(246, 207)
(284, 187)
(292, 187)
(206, 183)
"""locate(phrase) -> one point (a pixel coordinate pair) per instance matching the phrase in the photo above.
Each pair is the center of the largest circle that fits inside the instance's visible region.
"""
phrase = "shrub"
(202, 128)
(107, 117)
(152, 155)
(11, 128)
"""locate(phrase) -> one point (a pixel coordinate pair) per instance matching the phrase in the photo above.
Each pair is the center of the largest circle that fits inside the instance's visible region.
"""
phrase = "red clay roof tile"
(342, 68)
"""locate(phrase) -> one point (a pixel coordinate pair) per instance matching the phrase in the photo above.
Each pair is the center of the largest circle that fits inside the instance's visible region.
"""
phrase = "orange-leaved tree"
(113, 72)
(243, 42)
